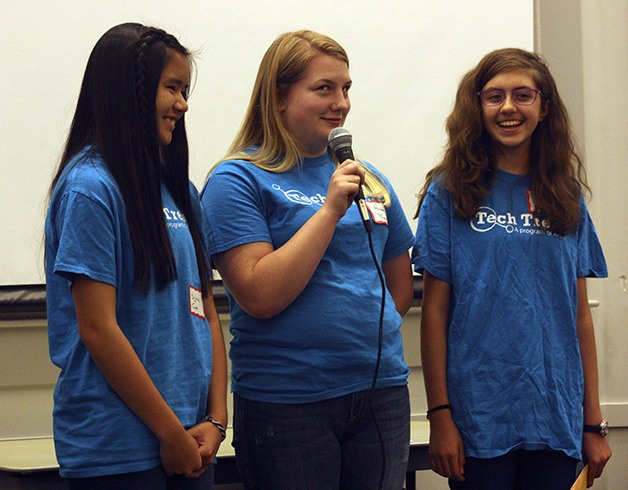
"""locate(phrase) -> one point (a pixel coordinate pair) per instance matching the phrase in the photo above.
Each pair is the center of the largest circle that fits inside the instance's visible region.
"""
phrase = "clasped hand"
(191, 452)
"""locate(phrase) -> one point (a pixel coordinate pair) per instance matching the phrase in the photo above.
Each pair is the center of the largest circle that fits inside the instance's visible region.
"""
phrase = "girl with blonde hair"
(315, 406)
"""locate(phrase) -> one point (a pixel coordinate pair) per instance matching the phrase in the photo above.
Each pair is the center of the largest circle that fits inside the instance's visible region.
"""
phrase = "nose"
(341, 102)
(508, 105)
(181, 104)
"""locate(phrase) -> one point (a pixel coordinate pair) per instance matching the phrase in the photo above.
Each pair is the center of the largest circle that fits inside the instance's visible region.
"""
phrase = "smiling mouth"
(509, 124)
(171, 121)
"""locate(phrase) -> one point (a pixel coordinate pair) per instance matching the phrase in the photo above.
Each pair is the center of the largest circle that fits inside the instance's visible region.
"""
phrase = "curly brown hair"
(469, 163)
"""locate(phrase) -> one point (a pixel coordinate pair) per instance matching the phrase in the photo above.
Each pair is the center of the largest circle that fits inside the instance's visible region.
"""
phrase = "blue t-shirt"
(324, 344)
(514, 373)
(87, 233)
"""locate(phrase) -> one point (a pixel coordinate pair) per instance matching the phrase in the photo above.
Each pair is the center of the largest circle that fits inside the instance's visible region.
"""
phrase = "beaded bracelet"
(219, 426)
(436, 409)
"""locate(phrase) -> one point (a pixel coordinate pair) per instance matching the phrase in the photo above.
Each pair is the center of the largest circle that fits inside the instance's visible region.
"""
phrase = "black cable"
(379, 357)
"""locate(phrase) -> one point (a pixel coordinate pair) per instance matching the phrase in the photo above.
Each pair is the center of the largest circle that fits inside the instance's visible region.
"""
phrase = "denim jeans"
(153, 479)
(332, 444)
(519, 470)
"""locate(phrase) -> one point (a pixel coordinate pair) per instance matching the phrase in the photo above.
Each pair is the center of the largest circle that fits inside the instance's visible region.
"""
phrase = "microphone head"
(339, 138)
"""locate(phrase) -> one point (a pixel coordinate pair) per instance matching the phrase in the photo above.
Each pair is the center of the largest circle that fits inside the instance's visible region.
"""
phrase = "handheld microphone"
(339, 141)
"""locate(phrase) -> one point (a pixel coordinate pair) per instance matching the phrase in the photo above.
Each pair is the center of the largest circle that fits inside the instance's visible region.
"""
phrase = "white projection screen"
(406, 59)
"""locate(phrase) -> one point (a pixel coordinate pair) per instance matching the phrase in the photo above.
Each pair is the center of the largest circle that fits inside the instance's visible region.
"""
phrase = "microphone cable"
(379, 356)
(340, 141)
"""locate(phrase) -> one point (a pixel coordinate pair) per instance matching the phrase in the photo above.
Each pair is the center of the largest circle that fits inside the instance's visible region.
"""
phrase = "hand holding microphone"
(339, 141)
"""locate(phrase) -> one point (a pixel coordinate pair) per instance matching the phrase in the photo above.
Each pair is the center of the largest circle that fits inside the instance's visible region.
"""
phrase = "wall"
(585, 43)
(27, 377)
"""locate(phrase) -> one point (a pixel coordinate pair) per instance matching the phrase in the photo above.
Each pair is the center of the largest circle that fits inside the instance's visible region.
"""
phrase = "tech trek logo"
(299, 197)
(174, 218)
(487, 218)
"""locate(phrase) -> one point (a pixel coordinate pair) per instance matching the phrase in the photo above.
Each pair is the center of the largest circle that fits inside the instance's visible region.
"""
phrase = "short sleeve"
(400, 238)
(591, 261)
(233, 207)
(432, 245)
(86, 239)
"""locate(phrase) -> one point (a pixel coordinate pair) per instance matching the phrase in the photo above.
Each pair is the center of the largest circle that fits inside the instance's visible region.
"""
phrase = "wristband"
(601, 429)
(436, 409)
(219, 426)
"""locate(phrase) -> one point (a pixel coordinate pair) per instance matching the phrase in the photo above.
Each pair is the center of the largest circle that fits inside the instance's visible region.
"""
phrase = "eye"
(523, 95)
(323, 88)
(493, 96)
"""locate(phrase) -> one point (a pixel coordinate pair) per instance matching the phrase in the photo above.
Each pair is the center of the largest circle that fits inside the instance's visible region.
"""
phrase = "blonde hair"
(263, 138)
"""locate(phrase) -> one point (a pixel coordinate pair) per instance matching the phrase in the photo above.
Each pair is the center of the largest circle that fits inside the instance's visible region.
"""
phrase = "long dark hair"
(468, 167)
(115, 116)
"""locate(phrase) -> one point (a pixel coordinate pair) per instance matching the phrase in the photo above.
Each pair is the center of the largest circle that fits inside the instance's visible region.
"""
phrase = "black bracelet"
(436, 409)
(219, 426)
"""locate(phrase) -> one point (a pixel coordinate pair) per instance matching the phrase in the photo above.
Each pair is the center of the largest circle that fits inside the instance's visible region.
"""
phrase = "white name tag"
(196, 302)
(378, 212)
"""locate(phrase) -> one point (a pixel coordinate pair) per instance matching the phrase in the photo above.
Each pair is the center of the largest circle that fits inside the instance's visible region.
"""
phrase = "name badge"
(196, 302)
(378, 212)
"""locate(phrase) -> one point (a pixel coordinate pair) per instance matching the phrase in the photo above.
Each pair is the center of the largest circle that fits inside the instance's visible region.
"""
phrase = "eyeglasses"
(493, 97)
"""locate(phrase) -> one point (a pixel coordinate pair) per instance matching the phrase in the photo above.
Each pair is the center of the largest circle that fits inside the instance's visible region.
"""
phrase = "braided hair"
(116, 117)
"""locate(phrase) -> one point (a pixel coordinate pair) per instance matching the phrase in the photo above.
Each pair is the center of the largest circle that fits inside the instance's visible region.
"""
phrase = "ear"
(544, 111)
(281, 96)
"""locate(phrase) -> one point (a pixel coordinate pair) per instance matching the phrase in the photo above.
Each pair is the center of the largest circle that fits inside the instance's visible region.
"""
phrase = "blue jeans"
(153, 479)
(519, 470)
(324, 445)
